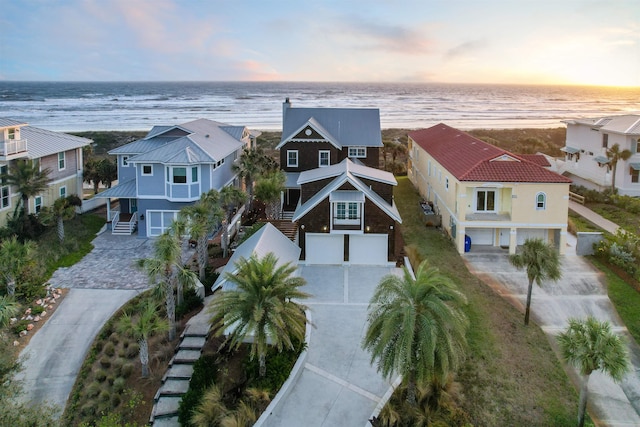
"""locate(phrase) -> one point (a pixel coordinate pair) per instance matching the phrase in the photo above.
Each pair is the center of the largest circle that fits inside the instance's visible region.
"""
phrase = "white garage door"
(324, 248)
(368, 249)
(531, 233)
(480, 236)
(159, 221)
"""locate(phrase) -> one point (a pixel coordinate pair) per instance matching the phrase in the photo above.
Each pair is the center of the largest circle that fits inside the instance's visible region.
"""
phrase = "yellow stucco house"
(486, 196)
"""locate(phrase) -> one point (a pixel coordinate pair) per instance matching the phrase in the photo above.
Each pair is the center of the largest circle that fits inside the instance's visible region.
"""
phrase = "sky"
(581, 42)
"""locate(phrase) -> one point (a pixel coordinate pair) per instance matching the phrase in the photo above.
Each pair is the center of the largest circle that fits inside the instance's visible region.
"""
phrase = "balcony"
(13, 148)
(487, 216)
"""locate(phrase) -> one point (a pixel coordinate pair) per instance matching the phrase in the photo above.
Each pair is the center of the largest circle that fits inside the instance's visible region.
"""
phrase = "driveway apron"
(338, 386)
(578, 294)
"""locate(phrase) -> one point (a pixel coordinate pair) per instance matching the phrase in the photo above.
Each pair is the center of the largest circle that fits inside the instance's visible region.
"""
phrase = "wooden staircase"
(124, 224)
(286, 227)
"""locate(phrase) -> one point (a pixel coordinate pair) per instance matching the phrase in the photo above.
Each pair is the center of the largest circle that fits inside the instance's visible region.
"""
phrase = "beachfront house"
(61, 153)
(486, 197)
(341, 202)
(170, 168)
(588, 156)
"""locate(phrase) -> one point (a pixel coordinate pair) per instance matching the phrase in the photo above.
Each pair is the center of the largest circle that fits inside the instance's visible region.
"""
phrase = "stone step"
(166, 422)
(192, 343)
(173, 387)
(166, 406)
(196, 330)
(179, 371)
(186, 356)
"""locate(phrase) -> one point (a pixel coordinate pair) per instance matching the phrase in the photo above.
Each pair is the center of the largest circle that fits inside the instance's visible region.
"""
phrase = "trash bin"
(467, 243)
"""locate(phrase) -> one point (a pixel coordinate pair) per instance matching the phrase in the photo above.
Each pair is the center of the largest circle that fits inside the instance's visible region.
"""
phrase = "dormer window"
(358, 152)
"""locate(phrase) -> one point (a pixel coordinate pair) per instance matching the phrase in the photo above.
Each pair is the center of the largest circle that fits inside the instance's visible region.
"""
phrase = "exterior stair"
(286, 227)
(175, 382)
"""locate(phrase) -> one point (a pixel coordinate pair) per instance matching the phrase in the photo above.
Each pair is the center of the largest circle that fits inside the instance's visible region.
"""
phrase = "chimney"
(285, 106)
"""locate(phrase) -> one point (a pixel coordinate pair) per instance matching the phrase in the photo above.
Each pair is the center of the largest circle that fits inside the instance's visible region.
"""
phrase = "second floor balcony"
(488, 216)
(12, 148)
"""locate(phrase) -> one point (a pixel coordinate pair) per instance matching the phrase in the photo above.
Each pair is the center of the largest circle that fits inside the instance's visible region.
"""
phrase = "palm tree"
(614, 154)
(251, 164)
(230, 198)
(141, 327)
(261, 307)
(28, 179)
(268, 189)
(91, 175)
(590, 345)
(166, 266)
(416, 328)
(201, 218)
(61, 211)
(541, 261)
(8, 309)
(14, 258)
(107, 171)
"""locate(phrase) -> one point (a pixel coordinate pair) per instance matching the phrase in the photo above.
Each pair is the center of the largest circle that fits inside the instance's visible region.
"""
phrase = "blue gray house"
(169, 169)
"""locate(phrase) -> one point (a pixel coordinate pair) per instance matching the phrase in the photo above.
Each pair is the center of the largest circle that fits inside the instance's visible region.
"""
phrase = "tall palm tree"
(261, 306)
(614, 154)
(28, 179)
(61, 211)
(542, 262)
(252, 163)
(141, 327)
(166, 267)
(201, 218)
(230, 198)
(14, 258)
(8, 309)
(416, 327)
(268, 189)
(590, 345)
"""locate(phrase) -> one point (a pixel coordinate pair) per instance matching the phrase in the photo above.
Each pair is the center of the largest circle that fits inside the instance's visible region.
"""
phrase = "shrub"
(19, 326)
(105, 361)
(115, 400)
(37, 310)
(101, 375)
(119, 385)
(279, 365)
(127, 370)
(191, 302)
(132, 351)
(93, 389)
(110, 379)
(88, 409)
(104, 395)
(114, 338)
(109, 349)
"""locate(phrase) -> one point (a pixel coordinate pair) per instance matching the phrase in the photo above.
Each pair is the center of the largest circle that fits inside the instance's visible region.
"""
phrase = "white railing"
(12, 146)
(115, 216)
(132, 222)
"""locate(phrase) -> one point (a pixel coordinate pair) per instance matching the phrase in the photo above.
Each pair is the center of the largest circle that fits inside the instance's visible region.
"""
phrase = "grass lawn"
(582, 224)
(511, 377)
(617, 215)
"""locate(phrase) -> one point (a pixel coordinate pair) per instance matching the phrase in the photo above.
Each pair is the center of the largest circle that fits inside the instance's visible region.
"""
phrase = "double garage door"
(369, 249)
(531, 233)
(487, 236)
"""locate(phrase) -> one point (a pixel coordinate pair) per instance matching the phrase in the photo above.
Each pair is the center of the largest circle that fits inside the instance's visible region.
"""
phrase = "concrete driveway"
(338, 386)
(580, 293)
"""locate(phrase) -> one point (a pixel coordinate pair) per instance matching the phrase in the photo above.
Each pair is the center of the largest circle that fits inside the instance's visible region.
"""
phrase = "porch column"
(513, 240)
(459, 240)
(562, 244)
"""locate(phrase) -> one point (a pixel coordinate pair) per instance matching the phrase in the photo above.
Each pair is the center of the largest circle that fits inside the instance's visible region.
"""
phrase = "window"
(125, 161)
(429, 168)
(37, 204)
(323, 158)
(292, 158)
(446, 183)
(347, 211)
(486, 201)
(635, 148)
(635, 174)
(12, 133)
(61, 162)
(147, 170)
(360, 152)
(179, 175)
(605, 140)
(194, 174)
(5, 199)
(541, 201)
(63, 191)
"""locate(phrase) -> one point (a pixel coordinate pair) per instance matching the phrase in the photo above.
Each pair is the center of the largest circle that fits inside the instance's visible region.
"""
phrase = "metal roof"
(42, 142)
(6, 123)
(602, 159)
(343, 127)
(357, 169)
(267, 239)
(635, 166)
(124, 190)
(570, 150)
(628, 124)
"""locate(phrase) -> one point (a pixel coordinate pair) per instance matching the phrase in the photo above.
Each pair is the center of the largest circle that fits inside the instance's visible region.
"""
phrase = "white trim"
(320, 153)
(63, 187)
(356, 149)
(63, 160)
(289, 163)
(544, 201)
(124, 161)
(142, 172)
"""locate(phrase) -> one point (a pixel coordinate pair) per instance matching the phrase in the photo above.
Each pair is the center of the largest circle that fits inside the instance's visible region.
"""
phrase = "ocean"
(82, 106)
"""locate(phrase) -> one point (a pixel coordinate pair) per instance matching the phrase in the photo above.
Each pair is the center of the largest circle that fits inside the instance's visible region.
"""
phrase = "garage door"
(324, 248)
(368, 249)
(531, 233)
(480, 236)
(159, 221)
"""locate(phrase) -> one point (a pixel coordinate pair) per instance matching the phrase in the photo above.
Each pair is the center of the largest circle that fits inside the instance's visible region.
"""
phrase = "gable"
(308, 134)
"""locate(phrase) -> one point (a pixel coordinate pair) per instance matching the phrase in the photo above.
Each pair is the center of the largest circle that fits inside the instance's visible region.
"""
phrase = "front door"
(133, 205)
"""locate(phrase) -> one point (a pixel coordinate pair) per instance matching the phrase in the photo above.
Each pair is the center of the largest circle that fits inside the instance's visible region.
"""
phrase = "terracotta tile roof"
(470, 159)
(538, 159)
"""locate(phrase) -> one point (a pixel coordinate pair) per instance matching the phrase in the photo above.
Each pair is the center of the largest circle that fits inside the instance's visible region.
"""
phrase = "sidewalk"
(590, 215)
